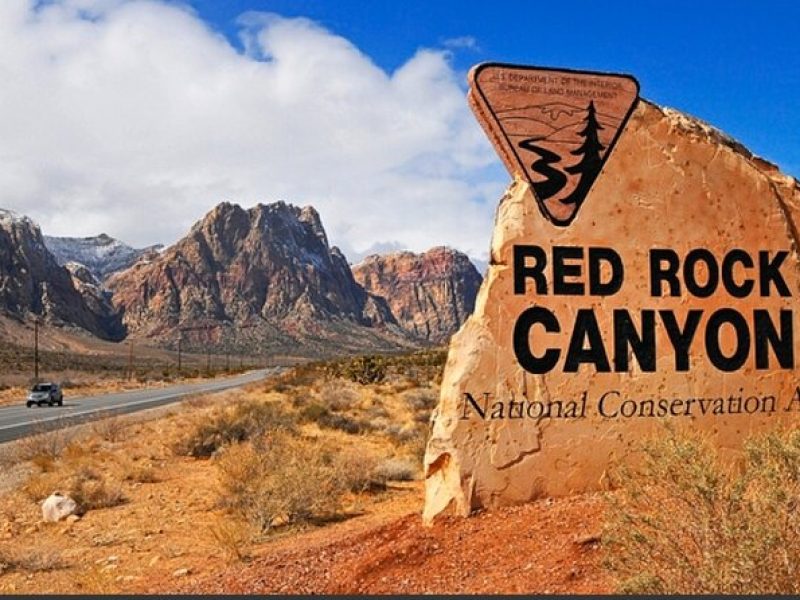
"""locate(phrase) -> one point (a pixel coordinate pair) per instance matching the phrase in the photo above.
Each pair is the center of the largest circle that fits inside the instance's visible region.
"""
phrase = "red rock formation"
(32, 284)
(269, 268)
(430, 294)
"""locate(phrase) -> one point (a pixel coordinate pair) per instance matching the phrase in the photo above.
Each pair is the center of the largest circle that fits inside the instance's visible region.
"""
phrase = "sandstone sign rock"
(670, 297)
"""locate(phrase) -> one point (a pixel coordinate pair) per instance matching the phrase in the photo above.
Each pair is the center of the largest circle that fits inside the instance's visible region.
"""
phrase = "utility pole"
(36, 350)
(179, 352)
(130, 360)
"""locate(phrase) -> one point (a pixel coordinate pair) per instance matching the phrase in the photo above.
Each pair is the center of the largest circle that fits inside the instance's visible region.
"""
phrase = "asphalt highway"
(18, 421)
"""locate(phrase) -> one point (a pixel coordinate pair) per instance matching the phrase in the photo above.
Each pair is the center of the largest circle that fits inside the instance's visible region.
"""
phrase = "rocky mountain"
(33, 284)
(101, 254)
(429, 294)
(261, 278)
(96, 298)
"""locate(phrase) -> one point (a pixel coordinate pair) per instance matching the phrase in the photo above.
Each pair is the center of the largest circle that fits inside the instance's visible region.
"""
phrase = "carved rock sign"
(669, 296)
(555, 128)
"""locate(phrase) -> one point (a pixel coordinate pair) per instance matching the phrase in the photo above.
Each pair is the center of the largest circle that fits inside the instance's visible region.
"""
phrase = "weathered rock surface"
(430, 294)
(267, 275)
(96, 298)
(32, 284)
(672, 182)
(102, 255)
(57, 506)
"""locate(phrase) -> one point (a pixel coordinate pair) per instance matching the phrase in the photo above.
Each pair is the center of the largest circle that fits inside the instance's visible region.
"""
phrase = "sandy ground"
(549, 546)
(171, 535)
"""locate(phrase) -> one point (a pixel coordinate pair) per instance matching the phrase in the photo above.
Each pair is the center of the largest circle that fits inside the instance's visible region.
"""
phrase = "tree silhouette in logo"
(589, 165)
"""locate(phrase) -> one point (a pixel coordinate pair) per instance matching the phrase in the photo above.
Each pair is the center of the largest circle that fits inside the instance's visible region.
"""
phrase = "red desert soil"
(548, 546)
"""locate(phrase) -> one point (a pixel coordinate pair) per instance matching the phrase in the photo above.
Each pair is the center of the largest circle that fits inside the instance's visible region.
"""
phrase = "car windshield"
(42, 387)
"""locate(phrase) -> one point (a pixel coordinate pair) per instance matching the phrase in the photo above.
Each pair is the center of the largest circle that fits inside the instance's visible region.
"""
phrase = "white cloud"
(466, 42)
(135, 118)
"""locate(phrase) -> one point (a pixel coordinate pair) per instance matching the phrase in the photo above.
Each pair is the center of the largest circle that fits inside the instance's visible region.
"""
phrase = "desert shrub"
(232, 537)
(319, 414)
(232, 424)
(297, 397)
(42, 448)
(398, 469)
(278, 480)
(312, 413)
(197, 402)
(402, 434)
(342, 423)
(415, 441)
(377, 411)
(421, 399)
(140, 472)
(110, 427)
(357, 470)
(300, 376)
(337, 397)
(80, 480)
(30, 560)
(686, 522)
(91, 490)
(360, 369)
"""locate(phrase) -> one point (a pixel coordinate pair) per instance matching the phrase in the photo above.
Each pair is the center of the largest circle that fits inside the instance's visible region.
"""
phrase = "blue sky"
(735, 64)
(136, 117)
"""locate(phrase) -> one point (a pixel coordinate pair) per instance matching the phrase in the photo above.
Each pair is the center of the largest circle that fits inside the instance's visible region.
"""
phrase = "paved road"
(18, 421)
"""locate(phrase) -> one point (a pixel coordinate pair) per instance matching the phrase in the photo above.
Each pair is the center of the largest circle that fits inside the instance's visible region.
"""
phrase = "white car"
(42, 394)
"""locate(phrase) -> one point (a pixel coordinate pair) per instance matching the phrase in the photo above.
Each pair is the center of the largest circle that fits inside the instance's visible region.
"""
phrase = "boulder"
(57, 507)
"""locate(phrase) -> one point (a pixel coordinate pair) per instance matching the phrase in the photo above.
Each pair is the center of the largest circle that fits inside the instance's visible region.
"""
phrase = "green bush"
(365, 369)
(686, 522)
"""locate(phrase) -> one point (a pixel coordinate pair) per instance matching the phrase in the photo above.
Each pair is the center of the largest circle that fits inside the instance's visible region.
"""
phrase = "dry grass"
(30, 559)
(279, 480)
(688, 522)
(140, 472)
(93, 490)
(86, 475)
(43, 449)
(233, 537)
(110, 427)
(398, 469)
(357, 470)
(230, 425)
(186, 512)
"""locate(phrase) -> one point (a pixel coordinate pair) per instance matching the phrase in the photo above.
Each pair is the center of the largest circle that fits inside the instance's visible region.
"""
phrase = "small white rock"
(57, 507)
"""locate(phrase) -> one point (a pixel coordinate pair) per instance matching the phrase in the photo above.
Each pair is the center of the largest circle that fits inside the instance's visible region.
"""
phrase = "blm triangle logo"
(554, 127)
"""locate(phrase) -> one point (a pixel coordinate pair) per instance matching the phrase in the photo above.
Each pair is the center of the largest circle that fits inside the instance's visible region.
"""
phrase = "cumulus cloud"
(135, 118)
